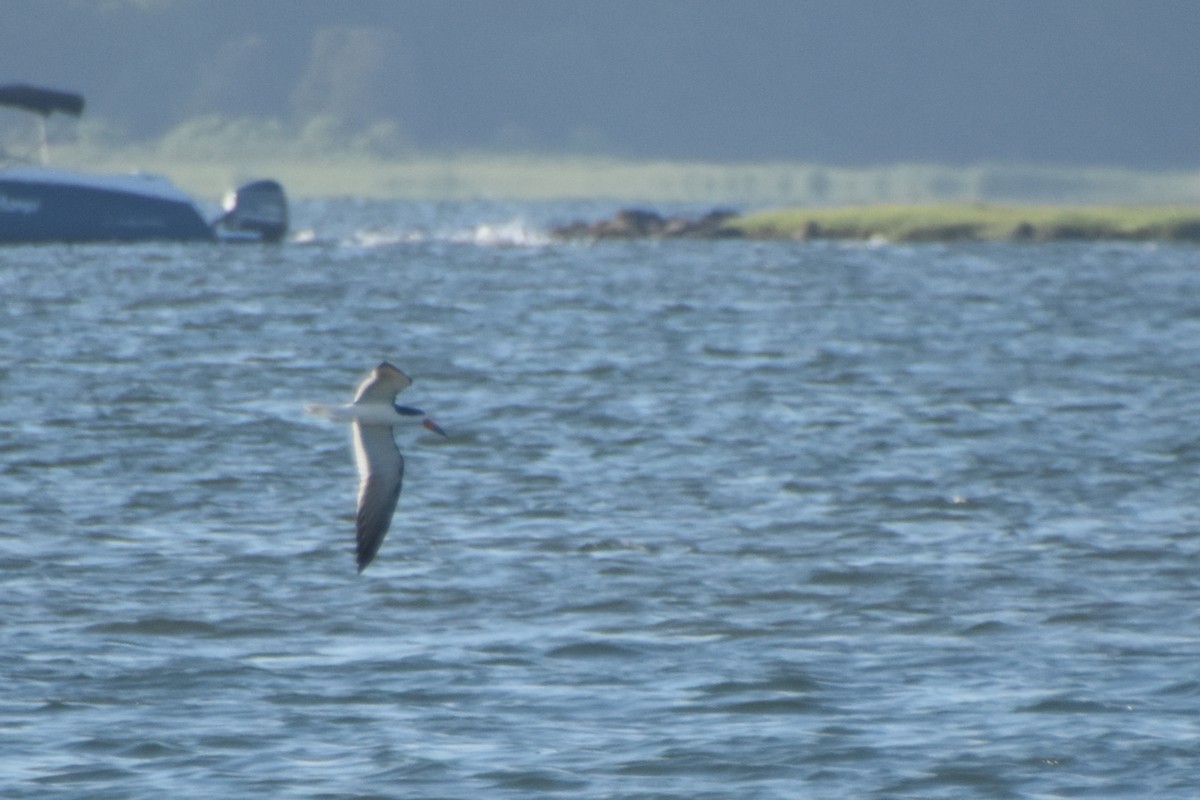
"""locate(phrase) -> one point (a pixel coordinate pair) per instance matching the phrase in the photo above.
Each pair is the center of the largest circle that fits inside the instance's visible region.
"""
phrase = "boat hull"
(46, 205)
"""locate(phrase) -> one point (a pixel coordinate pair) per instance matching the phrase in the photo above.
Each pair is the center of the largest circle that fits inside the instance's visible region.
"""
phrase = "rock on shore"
(634, 223)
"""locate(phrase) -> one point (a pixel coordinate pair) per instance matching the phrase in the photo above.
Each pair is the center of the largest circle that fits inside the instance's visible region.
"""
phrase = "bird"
(372, 416)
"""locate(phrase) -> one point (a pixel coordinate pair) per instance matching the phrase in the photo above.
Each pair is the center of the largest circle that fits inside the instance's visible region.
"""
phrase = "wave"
(513, 233)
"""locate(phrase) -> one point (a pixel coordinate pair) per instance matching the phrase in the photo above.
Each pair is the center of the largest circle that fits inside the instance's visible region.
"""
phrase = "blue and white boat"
(39, 203)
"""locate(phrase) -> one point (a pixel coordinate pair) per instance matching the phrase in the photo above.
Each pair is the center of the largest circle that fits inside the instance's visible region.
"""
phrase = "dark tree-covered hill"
(843, 81)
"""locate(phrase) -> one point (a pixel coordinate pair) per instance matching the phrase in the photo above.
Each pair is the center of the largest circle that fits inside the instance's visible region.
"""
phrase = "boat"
(40, 203)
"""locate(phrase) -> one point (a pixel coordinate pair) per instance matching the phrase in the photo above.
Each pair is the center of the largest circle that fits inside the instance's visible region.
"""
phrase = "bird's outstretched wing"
(380, 474)
(382, 385)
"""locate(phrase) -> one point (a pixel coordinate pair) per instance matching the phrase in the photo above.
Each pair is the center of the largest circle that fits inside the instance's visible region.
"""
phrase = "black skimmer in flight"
(372, 416)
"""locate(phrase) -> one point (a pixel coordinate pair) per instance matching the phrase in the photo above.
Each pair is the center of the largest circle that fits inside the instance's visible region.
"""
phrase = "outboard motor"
(256, 210)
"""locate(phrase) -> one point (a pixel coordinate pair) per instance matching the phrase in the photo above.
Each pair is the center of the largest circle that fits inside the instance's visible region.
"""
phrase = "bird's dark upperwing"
(380, 474)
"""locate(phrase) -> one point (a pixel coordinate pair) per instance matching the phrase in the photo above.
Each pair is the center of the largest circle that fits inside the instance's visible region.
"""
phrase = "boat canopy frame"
(42, 102)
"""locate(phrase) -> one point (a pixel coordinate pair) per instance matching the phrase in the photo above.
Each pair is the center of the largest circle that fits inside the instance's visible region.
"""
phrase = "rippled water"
(731, 519)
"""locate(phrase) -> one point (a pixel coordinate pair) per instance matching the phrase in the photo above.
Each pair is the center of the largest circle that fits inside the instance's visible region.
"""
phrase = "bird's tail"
(320, 410)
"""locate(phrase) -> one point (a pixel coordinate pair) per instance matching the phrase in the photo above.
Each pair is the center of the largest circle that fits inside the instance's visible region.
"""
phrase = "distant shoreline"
(978, 222)
(952, 222)
(650, 183)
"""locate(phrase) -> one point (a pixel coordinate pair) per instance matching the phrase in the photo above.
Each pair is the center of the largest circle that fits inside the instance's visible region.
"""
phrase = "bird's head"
(409, 411)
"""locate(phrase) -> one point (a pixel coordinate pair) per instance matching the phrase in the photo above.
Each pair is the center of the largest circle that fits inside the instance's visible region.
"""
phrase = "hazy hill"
(842, 81)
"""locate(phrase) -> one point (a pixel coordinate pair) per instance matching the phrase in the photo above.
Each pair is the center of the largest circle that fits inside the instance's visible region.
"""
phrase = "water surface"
(715, 519)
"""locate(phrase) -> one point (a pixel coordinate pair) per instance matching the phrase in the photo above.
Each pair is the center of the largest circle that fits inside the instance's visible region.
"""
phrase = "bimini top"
(41, 101)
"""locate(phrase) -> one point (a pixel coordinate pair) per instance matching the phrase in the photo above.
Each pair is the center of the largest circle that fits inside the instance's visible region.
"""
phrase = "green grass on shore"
(972, 221)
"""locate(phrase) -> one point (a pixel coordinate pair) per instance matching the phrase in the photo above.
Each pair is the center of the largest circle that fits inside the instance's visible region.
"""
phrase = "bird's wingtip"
(387, 365)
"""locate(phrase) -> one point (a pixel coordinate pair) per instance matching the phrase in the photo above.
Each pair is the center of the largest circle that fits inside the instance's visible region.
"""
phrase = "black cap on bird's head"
(409, 411)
